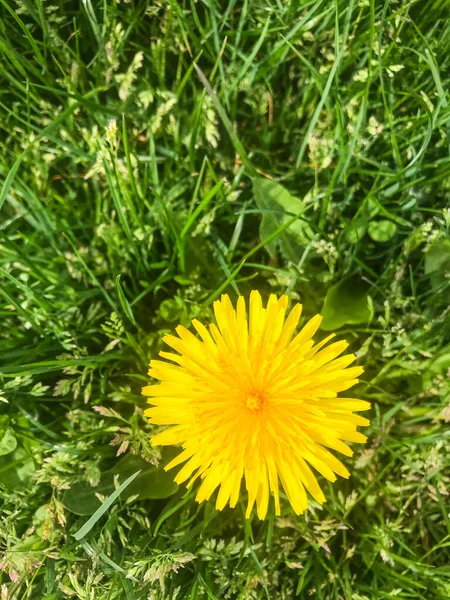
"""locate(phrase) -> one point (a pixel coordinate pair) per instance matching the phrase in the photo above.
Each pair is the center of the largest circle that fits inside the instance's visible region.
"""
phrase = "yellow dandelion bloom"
(251, 400)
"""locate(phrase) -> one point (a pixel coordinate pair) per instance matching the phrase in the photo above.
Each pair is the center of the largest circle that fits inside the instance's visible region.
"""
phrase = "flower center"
(255, 401)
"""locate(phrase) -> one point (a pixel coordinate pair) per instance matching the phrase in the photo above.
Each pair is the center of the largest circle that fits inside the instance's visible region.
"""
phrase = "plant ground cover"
(307, 154)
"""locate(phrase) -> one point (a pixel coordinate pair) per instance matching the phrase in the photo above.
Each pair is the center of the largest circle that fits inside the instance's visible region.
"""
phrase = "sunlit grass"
(155, 154)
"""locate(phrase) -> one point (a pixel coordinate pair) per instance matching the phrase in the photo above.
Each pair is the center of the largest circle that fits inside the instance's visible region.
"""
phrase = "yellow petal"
(248, 399)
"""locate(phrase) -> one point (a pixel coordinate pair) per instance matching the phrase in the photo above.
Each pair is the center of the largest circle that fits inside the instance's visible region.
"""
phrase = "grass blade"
(86, 528)
(226, 122)
(124, 302)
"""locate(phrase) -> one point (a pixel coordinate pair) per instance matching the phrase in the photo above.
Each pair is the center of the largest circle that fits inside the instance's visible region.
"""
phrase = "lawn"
(156, 154)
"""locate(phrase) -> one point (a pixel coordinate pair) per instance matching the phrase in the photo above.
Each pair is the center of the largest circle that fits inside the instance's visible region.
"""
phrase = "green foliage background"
(157, 153)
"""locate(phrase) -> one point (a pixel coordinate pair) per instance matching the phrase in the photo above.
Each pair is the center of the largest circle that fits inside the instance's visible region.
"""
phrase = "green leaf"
(101, 510)
(356, 230)
(124, 302)
(183, 280)
(382, 231)
(171, 309)
(81, 498)
(278, 206)
(438, 369)
(151, 483)
(346, 302)
(8, 442)
(16, 469)
(437, 263)
(437, 257)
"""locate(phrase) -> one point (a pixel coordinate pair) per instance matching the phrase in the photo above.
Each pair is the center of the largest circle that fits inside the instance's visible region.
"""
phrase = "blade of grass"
(226, 123)
(26, 32)
(124, 302)
(86, 528)
(47, 130)
(200, 208)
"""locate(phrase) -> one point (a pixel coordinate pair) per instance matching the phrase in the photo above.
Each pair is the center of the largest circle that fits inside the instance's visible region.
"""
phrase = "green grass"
(136, 142)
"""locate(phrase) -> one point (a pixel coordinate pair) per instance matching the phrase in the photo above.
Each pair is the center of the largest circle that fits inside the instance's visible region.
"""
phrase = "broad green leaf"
(278, 206)
(356, 229)
(437, 262)
(437, 256)
(81, 498)
(8, 442)
(382, 231)
(151, 483)
(346, 303)
(16, 469)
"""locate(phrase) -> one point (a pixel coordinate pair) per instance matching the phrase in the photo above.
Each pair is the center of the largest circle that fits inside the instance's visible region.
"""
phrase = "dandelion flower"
(248, 399)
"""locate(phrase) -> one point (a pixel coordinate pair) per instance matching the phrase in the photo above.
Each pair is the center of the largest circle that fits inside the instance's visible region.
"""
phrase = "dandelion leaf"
(346, 303)
(8, 442)
(16, 469)
(151, 483)
(278, 206)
